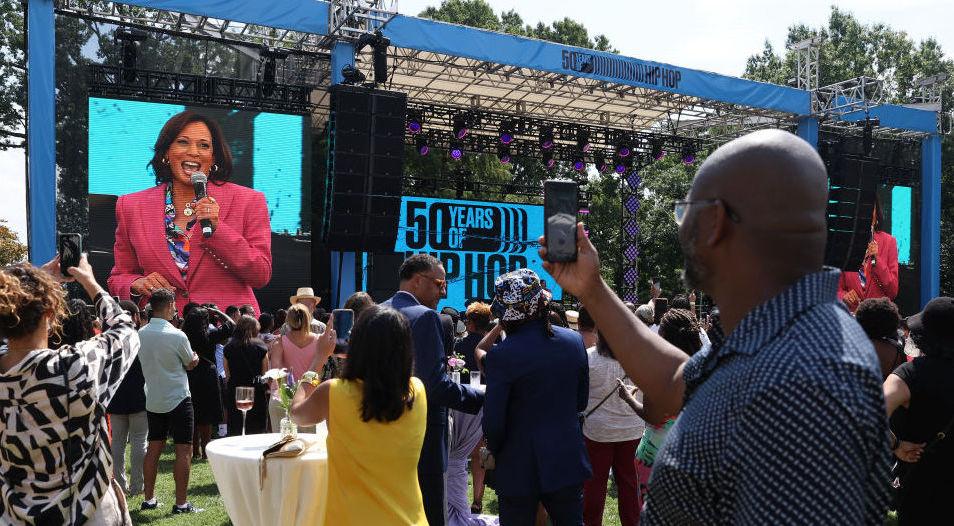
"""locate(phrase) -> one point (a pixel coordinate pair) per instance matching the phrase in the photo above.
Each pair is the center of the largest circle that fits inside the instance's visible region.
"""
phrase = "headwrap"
(519, 296)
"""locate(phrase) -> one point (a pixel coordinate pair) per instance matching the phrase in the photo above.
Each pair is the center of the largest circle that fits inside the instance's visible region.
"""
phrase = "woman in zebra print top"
(53, 398)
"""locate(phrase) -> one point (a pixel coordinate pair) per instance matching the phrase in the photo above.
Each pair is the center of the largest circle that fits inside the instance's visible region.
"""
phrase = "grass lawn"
(203, 493)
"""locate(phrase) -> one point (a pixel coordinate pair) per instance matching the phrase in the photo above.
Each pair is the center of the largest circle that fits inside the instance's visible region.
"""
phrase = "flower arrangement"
(286, 385)
(455, 364)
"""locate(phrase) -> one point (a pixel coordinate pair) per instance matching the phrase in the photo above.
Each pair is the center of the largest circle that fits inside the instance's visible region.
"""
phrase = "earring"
(165, 160)
(215, 168)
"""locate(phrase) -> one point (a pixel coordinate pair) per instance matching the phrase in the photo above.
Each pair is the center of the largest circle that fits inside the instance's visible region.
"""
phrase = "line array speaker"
(852, 189)
(365, 168)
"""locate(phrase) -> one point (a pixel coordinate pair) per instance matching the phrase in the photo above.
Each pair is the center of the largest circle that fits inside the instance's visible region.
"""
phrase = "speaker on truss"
(852, 189)
(365, 168)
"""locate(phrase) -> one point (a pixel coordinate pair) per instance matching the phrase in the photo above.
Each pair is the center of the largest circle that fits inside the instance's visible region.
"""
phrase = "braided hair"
(680, 328)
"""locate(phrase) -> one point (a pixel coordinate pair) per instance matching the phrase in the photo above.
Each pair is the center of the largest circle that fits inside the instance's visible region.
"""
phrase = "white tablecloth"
(294, 491)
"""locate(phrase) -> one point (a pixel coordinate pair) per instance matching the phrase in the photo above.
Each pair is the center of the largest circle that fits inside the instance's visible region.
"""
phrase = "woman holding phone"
(52, 397)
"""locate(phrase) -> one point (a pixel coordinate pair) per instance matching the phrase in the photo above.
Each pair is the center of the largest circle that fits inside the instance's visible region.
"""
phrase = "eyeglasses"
(441, 283)
(681, 207)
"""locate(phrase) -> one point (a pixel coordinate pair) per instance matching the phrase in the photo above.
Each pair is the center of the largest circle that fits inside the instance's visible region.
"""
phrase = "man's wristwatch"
(311, 377)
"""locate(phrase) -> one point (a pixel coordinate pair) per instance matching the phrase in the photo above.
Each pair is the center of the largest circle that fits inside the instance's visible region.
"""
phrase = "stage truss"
(455, 84)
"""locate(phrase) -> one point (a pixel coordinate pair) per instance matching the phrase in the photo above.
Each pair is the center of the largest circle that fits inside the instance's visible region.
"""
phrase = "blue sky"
(707, 35)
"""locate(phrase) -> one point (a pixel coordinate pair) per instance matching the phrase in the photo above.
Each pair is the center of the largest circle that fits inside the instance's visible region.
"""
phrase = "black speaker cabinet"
(853, 188)
(365, 168)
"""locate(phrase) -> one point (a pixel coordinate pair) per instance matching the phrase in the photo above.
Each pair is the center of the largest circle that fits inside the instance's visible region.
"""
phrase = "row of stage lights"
(620, 161)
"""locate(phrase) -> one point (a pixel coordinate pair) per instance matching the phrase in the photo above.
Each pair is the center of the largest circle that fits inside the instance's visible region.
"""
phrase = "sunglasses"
(681, 207)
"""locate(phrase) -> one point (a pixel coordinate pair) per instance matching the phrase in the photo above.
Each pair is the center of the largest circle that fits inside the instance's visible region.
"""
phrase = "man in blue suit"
(537, 385)
(423, 284)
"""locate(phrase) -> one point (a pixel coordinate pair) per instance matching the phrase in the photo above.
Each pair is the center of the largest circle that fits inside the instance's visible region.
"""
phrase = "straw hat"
(572, 319)
(304, 293)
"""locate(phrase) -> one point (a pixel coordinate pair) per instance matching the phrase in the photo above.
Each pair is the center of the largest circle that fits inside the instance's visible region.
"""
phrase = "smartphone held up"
(343, 320)
(70, 248)
(560, 206)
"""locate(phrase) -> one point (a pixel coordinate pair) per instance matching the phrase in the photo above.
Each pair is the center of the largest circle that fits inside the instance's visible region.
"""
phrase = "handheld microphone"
(199, 181)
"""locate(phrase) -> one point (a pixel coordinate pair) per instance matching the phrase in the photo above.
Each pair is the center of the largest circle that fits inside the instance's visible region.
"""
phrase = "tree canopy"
(851, 49)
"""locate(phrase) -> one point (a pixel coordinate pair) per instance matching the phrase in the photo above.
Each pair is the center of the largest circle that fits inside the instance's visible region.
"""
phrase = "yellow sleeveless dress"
(372, 466)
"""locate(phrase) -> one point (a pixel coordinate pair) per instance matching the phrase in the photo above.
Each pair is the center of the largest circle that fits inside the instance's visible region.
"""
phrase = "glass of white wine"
(244, 400)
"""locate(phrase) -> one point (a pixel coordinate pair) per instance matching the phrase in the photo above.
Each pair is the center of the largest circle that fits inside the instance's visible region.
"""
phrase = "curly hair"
(680, 328)
(78, 325)
(26, 295)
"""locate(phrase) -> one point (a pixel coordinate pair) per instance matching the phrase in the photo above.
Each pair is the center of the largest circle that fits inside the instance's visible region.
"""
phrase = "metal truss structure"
(198, 89)
(806, 63)
(464, 83)
(307, 61)
(857, 95)
(349, 19)
(930, 90)
(629, 224)
(484, 129)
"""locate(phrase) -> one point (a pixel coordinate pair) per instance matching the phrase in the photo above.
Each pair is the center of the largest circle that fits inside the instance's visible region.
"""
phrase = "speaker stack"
(365, 168)
(853, 182)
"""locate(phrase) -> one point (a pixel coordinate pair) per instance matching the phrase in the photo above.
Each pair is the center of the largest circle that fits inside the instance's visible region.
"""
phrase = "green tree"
(11, 249)
(851, 49)
(12, 76)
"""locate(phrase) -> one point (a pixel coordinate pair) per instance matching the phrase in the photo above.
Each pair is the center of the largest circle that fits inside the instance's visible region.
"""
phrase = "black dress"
(925, 498)
(245, 363)
(204, 379)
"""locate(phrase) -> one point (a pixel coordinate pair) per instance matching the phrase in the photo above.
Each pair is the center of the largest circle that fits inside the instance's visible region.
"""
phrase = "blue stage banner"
(477, 241)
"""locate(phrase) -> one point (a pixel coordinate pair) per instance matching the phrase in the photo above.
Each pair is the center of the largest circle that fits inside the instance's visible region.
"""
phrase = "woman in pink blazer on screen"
(159, 240)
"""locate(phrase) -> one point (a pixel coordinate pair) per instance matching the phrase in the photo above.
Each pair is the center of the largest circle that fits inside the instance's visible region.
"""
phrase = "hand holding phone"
(560, 206)
(70, 248)
(342, 321)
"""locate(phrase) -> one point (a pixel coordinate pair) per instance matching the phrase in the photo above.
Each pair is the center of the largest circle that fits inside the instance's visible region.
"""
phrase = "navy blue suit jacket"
(430, 365)
(536, 388)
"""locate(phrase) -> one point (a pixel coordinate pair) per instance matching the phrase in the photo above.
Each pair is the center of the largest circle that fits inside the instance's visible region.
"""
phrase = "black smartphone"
(70, 248)
(343, 320)
(560, 206)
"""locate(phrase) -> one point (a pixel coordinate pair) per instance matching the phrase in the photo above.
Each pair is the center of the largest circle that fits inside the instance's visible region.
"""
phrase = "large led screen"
(477, 241)
(148, 227)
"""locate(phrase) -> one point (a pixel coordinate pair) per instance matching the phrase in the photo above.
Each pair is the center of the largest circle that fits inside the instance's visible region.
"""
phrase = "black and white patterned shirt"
(37, 414)
(783, 422)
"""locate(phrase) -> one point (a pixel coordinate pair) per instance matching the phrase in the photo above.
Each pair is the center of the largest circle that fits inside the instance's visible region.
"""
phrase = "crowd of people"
(804, 398)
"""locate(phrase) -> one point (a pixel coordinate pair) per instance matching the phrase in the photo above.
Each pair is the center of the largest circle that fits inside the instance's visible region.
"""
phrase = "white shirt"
(615, 420)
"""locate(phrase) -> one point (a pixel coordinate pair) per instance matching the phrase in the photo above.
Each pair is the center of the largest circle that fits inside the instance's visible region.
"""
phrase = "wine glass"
(244, 400)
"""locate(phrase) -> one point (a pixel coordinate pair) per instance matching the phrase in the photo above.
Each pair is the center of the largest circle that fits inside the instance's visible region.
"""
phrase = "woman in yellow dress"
(376, 414)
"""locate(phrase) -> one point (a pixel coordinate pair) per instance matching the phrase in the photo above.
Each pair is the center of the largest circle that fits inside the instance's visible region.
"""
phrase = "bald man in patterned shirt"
(783, 420)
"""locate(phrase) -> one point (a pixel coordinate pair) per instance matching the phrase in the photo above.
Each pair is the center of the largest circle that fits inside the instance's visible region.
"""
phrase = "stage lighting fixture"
(600, 162)
(415, 121)
(583, 141)
(620, 167)
(506, 132)
(623, 149)
(579, 163)
(503, 154)
(422, 147)
(657, 151)
(352, 75)
(461, 128)
(546, 138)
(456, 151)
(688, 153)
(548, 160)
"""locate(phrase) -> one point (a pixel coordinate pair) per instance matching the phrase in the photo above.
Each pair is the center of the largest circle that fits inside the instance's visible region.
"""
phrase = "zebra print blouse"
(39, 416)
